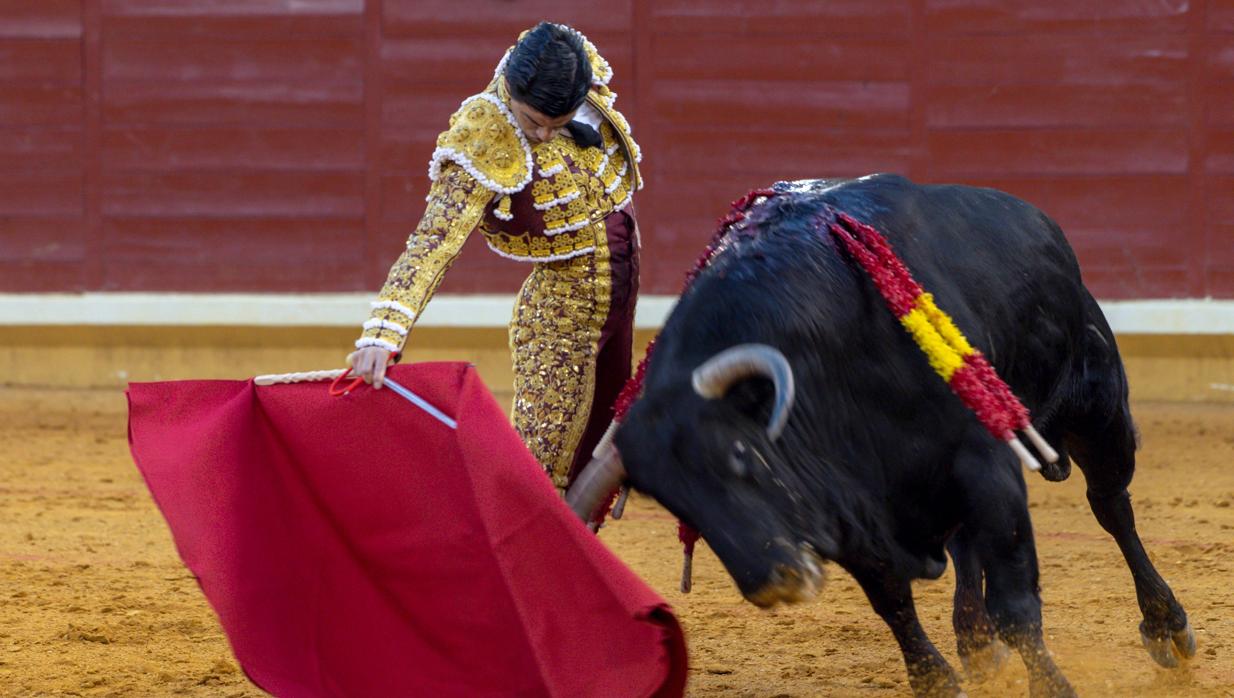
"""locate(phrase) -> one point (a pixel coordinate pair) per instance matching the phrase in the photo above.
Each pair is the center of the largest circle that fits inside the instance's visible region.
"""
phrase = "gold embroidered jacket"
(533, 204)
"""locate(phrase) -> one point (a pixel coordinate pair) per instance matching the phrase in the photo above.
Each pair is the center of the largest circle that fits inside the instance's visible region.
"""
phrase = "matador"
(549, 183)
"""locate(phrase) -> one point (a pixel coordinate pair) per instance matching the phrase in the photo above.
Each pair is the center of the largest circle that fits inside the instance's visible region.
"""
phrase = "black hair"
(549, 70)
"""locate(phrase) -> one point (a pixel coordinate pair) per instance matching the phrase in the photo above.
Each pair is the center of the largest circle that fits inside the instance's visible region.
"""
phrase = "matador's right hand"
(370, 364)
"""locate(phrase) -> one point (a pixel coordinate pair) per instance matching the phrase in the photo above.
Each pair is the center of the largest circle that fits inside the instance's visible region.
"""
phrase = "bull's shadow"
(789, 416)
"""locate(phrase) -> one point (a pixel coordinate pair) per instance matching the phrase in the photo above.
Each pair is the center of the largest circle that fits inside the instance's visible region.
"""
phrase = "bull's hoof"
(936, 685)
(1057, 472)
(1053, 686)
(1167, 650)
(984, 662)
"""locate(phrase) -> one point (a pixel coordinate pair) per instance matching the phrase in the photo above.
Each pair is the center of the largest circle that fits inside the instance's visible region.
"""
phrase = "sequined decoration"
(554, 338)
(456, 203)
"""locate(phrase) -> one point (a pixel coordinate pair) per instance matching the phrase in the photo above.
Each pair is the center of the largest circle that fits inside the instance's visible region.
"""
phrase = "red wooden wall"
(264, 145)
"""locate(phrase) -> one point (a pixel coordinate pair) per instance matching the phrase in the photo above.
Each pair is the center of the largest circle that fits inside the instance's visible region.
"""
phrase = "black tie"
(584, 135)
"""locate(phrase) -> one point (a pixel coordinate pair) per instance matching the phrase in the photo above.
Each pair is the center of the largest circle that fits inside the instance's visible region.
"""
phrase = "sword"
(338, 374)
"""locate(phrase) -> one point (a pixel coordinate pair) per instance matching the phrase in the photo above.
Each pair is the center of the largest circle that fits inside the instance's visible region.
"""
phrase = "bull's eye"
(737, 460)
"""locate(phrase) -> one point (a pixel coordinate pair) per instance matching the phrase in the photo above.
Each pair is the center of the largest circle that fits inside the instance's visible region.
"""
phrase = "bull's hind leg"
(976, 641)
(892, 599)
(1102, 440)
(1106, 455)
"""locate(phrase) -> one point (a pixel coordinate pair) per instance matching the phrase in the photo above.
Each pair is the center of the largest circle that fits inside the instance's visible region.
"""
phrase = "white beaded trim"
(503, 216)
(385, 325)
(443, 153)
(557, 202)
(553, 171)
(374, 342)
(624, 202)
(553, 258)
(567, 228)
(393, 305)
(625, 167)
(606, 70)
(501, 65)
(603, 165)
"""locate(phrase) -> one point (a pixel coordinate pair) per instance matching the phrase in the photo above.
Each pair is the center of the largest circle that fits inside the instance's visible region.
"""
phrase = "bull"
(789, 418)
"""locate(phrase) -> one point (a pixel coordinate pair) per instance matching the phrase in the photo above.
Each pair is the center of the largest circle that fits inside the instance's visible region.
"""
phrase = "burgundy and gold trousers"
(571, 339)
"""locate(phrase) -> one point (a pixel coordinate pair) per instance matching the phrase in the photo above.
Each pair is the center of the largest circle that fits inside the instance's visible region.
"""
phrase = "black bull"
(878, 466)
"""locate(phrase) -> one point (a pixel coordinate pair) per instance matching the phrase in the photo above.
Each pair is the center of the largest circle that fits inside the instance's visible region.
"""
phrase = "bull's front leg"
(976, 639)
(1002, 536)
(892, 599)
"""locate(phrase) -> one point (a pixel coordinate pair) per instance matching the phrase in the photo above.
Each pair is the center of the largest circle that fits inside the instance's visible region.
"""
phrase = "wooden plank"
(1220, 281)
(402, 197)
(50, 105)
(56, 239)
(92, 135)
(920, 167)
(284, 105)
(236, 148)
(1220, 64)
(233, 19)
(746, 17)
(1220, 151)
(744, 57)
(1053, 16)
(31, 276)
(35, 193)
(1060, 59)
(1219, 104)
(761, 106)
(1106, 202)
(468, 62)
(1221, 244)
(1128, 250)
(1220, 15)
(1128, 284)
(44, 19)
(374, 94)
(234, 194)
(40, 255)
(479, 17)
(1221, 202)
(40, 61)
(1195, 77)
(412, 117)
(1059, 106)
(57, 149)
(775, 154)
(1057, 152)
(205, 61)
(219, 254)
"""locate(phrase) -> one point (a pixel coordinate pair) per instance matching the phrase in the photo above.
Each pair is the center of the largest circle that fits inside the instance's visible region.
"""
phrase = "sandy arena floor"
(94, 601)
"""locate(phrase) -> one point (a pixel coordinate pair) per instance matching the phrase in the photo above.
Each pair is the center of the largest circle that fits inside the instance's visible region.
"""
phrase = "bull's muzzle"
(793, 582)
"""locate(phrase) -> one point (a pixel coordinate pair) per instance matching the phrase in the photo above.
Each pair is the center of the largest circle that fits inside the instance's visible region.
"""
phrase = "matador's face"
(537, 126)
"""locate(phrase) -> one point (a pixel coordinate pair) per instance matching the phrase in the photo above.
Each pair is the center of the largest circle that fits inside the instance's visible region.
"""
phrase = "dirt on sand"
(95, 602)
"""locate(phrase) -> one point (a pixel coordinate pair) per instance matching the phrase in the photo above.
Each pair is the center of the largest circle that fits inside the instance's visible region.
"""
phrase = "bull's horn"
(598, 480)
(719, 373)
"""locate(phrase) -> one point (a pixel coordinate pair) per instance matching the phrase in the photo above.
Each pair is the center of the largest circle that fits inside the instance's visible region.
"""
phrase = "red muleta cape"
(357, 546)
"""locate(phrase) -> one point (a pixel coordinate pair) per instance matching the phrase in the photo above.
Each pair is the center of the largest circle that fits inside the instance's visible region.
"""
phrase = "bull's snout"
(792, 582)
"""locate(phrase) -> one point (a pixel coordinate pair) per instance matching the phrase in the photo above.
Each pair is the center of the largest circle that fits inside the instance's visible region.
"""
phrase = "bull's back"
(998, 265)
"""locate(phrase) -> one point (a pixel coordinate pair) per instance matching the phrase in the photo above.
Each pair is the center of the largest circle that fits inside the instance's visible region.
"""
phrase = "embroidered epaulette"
(485, 140)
